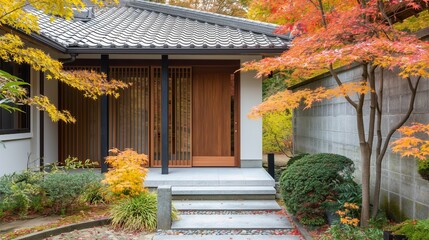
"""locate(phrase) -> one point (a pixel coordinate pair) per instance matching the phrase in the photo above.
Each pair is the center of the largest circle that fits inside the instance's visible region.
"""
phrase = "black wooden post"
(42, 124)
(271, 164)
(164, 114)
(104, 117)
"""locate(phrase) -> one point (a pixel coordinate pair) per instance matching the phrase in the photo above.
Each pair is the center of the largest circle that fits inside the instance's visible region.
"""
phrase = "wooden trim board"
(213, 161)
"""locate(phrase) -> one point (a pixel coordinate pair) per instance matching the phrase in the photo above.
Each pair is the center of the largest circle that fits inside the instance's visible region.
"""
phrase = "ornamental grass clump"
(126, 178)
(136, 213)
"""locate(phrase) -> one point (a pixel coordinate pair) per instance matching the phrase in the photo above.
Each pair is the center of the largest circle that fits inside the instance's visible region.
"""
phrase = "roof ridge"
(215, 18)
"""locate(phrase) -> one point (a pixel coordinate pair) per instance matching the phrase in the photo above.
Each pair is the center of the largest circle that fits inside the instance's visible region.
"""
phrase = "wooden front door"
(214, 119)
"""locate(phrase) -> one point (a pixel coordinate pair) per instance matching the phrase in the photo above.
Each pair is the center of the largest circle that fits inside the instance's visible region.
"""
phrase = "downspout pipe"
(71, 59)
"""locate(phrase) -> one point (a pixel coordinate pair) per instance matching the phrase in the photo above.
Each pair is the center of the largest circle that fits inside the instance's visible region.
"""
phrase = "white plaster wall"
(251, 129)
(51, 128)
(19, 151)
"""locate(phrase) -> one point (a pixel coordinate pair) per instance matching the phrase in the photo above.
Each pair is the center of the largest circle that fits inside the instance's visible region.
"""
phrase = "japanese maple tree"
(14, 16)
(331, 33)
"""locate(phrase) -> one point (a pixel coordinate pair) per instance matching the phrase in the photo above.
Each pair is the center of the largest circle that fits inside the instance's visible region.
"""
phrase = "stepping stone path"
(230, 220)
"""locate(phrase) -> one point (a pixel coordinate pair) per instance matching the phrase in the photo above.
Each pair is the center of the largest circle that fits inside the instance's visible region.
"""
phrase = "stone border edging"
(67, 228)
(300, 227)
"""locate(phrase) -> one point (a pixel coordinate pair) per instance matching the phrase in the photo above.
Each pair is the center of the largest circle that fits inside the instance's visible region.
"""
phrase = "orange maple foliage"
(330, 33)
(347, 38)
(411, 144)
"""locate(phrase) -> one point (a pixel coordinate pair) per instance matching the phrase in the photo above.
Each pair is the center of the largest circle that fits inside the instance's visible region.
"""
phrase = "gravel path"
(103, 233)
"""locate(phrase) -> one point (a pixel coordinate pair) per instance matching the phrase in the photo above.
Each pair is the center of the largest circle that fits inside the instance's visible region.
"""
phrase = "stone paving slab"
(226, 237)
(244, 221)
(27, 223)
(226, 205)
(224, 190)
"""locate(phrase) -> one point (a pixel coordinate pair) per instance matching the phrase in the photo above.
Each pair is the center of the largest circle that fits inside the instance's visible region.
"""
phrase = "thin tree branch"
(322, 11)
(404, 118)
(373, 106)
(383, 12)
(339, 83)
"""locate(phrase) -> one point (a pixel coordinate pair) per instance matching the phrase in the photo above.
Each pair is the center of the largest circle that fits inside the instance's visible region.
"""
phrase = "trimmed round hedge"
(295, 158)
(308, 183)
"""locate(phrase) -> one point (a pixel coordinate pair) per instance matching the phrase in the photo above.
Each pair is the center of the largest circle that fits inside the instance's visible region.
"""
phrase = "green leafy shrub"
(341, 232)
(20, 192)
(95, 193)
(413, 229)
(137, 213)
(64, 189)
(295, 158)
(309, 183)
(423, 168)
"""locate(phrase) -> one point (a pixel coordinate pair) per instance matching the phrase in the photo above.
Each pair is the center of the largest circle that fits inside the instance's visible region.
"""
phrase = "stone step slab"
(234, 221)
(223, 190)
(226, 237)
(226, 205)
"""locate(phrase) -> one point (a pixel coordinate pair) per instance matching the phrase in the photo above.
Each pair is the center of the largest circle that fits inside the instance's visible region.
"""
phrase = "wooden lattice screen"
(129, 114)
(134, 118)
(180, 117)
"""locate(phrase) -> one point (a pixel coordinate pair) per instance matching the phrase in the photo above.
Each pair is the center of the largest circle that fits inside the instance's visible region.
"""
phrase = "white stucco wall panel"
(251, 129)
(51, 128)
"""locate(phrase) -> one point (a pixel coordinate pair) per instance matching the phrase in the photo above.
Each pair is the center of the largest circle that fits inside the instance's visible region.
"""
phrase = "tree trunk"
(381, 153)
(366, 161)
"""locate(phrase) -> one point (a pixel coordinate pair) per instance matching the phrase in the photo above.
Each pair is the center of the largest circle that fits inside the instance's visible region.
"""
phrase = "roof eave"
(48, 42)
(211, 51)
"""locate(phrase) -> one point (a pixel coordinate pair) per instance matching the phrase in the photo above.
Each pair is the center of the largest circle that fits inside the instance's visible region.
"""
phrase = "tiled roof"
(142, 25)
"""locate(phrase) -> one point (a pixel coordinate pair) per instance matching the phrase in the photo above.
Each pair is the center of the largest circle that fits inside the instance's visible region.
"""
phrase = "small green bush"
(95, 193)
(137, 213)
(341, 232)
(423, 169)
(413, 229)
(20, 192)
(63, 189)
(309, 183)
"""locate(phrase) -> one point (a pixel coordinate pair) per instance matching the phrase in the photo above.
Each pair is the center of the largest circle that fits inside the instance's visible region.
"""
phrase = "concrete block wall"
(330, 126)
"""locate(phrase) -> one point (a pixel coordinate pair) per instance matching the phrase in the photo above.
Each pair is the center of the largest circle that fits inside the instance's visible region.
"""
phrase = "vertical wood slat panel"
(77, 140)
(131, 109)
(127, 128)
(180, 83)
(131, 116)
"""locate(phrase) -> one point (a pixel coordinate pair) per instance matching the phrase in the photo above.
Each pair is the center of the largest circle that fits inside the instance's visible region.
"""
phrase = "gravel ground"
(103, 233)
(108, 233)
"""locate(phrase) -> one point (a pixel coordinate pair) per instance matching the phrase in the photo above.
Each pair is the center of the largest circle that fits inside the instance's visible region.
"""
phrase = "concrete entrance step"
(229, 222)
(223, 190)
(226, 205)
(226, 237)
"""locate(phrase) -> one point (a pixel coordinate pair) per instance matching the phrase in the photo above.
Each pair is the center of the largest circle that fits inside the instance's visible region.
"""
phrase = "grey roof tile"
(143, 24)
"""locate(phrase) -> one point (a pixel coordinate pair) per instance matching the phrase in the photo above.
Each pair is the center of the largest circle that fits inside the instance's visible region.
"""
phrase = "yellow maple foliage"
(12, 48)
(126, 178)
(413, 142)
